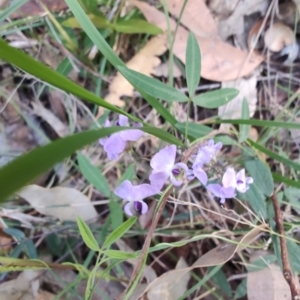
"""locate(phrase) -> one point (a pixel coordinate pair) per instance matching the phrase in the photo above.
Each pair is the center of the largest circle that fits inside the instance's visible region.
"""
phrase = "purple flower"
(221, 192)
(164, 167)
(116, 143)
(237, 180)
(205, 154)
(231, 182)
(134, 195)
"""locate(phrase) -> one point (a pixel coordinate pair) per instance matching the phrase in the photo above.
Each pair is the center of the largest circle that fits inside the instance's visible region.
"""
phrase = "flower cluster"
(164, 167)
(114, 144)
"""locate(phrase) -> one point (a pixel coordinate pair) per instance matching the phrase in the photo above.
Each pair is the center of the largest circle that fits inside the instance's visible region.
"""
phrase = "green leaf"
(136, 26)
(119, 232)
(292, 195)
(87, 235)
(93, 175)
(220, 279)
(261, 175)
(217, 98)
(33, 163)
(282, 179)
(192, 64)
(115, 212)
(241, 290)
(39, 70)
(256, 200)
(276, 156)
(12, 7)
(98, 21)
(152, 86)
(244, 129)
(255, 122)
(194, 130)
(117, 254)
(111, 56)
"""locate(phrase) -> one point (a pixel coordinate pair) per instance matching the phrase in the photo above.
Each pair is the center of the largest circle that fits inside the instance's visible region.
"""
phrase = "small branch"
(287, 271)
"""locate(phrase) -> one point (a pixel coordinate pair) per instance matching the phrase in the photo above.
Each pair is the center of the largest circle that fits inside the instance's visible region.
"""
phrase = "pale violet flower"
(134, 196)
(231, 182)
(237, 180)
(164, 167)
(116, 143)
(204, 155)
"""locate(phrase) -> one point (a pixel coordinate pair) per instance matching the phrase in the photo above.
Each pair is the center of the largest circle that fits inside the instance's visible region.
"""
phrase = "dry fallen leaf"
(267, 283)
(24, 287)
(59, 202)
(233, 109)
(169, 286)
(216, 256)
(163, 70)
(220, 61)
(144, 62)
(231, 14)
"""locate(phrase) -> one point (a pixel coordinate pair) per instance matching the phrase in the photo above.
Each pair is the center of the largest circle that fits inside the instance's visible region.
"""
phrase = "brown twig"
(287, 271)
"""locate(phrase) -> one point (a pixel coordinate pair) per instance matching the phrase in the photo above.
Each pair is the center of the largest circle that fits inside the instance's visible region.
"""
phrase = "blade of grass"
(11, 8)
(110, 55)
(274, 155)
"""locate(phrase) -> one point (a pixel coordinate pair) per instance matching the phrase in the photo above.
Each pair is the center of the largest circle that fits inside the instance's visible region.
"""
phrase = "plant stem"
(287, 271)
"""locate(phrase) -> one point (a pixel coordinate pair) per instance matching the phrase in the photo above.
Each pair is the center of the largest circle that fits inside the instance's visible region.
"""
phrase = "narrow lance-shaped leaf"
(192, 64)
(152, 86)
(244, 129)
(93, 175)
(87, 235)
(119, 232)
(216, 98)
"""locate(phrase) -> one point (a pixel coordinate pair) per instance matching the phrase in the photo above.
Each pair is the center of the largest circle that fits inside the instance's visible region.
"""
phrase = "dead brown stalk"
(287, 271)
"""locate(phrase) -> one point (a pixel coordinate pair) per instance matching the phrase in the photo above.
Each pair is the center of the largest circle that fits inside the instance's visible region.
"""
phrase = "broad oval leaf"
(119, 232)
(256, 200)
(63, 203)
(93, 175)
(87, 235)
(214, 99)
(152, 86)
(261, 175)
(192, 64)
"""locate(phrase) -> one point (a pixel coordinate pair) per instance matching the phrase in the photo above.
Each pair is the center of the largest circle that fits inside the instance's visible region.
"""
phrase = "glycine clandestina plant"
(164, 168)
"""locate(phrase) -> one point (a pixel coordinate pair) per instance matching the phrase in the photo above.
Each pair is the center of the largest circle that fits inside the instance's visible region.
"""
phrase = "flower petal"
(182, 166)
(123, 120)
(190, 174)
(164, 159)
(131, 135)
(201, 175)
(174, 181)
(158, 179)
(228, 192)
(249, 180)
(142, 191)
(229, 178)
(124, 190)
(215, 189)
(114, 144)
(127, 209)
(144, 208)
